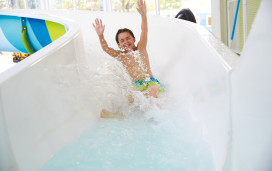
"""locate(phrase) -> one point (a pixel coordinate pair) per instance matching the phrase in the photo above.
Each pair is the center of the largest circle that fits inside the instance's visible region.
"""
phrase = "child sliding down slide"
(140, 73)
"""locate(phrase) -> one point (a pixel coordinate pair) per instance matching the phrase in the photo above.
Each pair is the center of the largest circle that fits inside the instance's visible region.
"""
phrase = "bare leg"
(153, 90)
(107, 114)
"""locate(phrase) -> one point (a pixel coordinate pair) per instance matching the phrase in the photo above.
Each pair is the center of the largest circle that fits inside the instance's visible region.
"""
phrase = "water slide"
(34, 33)
(44, 106)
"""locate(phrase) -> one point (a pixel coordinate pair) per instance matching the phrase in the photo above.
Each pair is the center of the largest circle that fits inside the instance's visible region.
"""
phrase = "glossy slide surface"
(35, 113)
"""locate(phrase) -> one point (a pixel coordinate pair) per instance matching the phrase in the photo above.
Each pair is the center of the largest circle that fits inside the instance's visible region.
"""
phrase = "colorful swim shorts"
(143, 84)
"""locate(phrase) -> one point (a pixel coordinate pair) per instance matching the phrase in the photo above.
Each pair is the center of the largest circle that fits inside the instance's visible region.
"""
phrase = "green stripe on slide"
(25, 41)
(55, 30)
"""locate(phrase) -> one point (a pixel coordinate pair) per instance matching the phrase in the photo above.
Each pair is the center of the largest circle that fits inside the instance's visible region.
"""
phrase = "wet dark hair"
(186, 14)
(122, 31)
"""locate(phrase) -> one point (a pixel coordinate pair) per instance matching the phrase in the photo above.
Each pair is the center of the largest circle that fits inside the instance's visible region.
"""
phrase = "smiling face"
(126, 41)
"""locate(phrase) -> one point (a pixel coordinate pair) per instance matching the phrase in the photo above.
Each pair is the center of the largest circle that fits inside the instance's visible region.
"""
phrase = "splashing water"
(148, 138)
(112, 85)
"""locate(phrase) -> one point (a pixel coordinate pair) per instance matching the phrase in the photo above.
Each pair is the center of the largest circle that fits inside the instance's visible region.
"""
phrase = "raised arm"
(99, 28)
(144, 28)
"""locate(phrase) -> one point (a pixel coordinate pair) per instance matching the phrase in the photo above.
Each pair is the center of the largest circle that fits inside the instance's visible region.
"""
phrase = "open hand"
(99, 27)
(141, 7)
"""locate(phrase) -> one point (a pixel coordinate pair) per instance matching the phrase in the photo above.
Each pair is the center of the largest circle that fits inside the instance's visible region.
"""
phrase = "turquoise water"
(156, 140)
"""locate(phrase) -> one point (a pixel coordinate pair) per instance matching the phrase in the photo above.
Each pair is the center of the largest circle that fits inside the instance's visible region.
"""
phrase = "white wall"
(216, 15)
(252, 98)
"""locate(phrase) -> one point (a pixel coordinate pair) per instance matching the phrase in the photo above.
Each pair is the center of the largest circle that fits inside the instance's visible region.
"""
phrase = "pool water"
(156, 134)
(155, 140)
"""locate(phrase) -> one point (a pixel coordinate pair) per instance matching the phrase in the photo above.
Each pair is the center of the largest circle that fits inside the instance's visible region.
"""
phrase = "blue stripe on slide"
(40, 31)
(11, 27)
(32, 38)
(5, 44)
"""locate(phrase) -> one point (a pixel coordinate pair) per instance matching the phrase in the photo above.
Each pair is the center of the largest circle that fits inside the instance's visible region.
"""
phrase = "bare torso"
(136, 64)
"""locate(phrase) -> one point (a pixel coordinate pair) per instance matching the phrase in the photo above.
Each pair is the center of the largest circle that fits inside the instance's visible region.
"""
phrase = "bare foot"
(107, 114)
(130, 99)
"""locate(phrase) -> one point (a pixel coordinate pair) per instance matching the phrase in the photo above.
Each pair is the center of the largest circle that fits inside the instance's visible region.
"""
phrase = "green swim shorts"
(143, 84)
